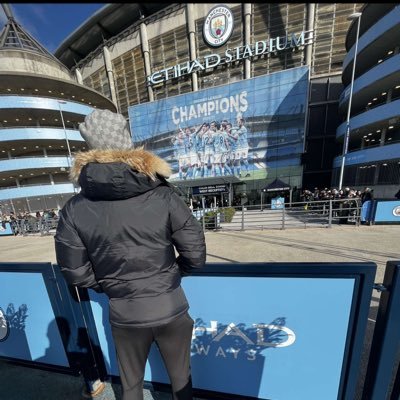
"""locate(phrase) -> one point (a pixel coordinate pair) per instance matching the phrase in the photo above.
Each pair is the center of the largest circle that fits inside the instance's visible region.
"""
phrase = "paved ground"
(341, 243)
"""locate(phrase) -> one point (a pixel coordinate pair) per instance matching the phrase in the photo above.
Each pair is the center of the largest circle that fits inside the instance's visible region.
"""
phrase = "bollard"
(330, 214)
(242, 218)
(283, 218)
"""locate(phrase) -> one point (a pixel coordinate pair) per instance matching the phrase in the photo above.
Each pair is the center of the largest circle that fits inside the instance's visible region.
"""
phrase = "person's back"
(119, 235)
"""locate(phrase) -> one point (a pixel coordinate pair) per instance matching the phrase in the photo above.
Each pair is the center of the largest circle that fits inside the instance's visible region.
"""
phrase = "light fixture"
(369, 103)
(50, 91)
(29, 119)
(22, 89)
(62, 147)
(36, 90)
(73, 96)
(364, 136)
(398, 87)
(21, 176)
(24, 148)
(17, 119)
(369, 134)
(62, 94)
(379, 61)
(385, 165)
(390, 138)
(374, 99)
(372, 140)
(8, 90)
(390, 127)
(390, 52)
(5, 120)
(31, 174)
(37, 147)
(56, 119)
(82, 99)
(13, 149)
(378, 131)
(384, 93)
(49, 147)
(3, 151)
(43, 119)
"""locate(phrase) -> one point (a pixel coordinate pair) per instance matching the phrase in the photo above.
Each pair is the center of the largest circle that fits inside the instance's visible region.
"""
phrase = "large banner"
(279, 333)
(247, 129)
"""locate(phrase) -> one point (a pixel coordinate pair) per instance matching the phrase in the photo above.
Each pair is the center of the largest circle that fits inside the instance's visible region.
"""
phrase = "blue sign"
(5, 229)
(242, 129)
(387, 211)
(32, 333)
(277, 203)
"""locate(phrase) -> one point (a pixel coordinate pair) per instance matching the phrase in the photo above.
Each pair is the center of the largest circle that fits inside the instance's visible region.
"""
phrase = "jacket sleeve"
(187, 236)
(72, 255)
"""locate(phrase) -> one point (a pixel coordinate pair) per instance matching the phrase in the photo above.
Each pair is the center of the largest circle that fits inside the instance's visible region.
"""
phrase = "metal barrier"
(25, 227)
(294, 215)
(386, 340)
(295, 330)
(316, 214)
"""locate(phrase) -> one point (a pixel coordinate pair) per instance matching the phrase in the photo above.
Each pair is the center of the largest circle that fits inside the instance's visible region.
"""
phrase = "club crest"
(218, 26)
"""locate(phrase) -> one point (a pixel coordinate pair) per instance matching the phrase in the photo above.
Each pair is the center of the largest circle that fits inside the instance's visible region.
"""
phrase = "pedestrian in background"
(118, 236)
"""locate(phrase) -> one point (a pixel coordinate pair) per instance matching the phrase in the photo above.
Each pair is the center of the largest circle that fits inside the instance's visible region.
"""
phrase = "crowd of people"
(212, 149)
(336, 194)
(23, 222)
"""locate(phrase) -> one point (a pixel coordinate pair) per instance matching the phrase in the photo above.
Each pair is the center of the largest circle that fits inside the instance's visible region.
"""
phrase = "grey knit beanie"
(105, 130)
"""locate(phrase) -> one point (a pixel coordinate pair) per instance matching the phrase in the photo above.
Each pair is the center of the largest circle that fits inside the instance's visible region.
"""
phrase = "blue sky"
(50, 23)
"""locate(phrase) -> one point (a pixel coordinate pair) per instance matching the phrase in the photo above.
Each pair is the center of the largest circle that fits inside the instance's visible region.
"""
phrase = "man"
(119, 235)
(180, 146)
(208, 144)
(242, 146)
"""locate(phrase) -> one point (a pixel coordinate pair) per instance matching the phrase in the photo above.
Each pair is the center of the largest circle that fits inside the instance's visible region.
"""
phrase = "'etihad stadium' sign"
(231, 55)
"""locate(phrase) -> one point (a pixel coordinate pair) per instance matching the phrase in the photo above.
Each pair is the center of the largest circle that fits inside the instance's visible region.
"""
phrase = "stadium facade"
(373, 158)
(150, 56)
(41, 105)
(273, 78)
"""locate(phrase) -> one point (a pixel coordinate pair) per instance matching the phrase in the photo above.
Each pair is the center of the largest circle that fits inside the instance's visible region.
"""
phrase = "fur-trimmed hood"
(117, 174)
(140, 160)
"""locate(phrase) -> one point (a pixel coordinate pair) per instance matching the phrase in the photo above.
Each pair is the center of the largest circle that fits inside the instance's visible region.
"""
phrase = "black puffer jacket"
(118, 236)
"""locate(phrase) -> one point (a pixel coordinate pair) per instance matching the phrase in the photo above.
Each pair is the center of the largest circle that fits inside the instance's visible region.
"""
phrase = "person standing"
(118, 236)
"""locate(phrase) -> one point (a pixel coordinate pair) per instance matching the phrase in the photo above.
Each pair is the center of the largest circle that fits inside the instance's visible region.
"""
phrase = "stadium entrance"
(213, 191)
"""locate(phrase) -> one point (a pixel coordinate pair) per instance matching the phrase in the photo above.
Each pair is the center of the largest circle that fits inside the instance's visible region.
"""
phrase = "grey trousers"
(133, 347)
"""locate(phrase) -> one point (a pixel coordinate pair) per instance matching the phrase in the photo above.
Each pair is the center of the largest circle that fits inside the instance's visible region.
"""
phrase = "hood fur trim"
(140, 160)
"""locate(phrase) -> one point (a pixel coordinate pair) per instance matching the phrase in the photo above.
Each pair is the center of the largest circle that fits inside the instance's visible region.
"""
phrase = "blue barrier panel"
(269, 331)
(386, 340)
(277, 203)
(42, 322)
(387, 211)
(28, 299)
(5, 229)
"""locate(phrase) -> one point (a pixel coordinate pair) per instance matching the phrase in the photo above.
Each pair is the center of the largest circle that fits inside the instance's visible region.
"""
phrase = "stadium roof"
(106, 23)
(14, 37)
